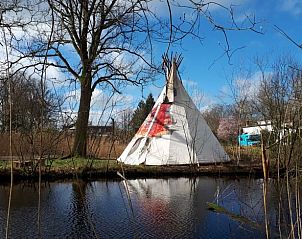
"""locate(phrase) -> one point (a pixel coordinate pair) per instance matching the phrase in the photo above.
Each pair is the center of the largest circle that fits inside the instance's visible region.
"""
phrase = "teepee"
(174, 132)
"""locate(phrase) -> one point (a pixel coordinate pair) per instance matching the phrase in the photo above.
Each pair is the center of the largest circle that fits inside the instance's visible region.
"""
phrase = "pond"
(143, 208)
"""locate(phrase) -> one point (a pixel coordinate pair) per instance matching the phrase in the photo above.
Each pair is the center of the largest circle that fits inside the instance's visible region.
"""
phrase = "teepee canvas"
(174, 132)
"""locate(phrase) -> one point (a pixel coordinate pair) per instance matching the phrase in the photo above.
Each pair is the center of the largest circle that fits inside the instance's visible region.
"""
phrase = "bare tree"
(279, 101)
(241, 92)
(27, 101)
(215, 114)
(104, 37)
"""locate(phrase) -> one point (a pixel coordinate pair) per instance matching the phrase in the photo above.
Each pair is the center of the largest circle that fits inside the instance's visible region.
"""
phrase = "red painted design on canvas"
(162, 120)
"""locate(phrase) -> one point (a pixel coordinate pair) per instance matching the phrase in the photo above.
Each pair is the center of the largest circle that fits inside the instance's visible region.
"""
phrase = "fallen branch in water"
(218, 209)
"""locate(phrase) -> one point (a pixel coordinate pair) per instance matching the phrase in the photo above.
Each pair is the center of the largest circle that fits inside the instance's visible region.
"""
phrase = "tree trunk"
(80, 141)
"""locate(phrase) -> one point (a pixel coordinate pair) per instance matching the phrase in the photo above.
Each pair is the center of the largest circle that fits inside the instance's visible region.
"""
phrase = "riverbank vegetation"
(91, 169)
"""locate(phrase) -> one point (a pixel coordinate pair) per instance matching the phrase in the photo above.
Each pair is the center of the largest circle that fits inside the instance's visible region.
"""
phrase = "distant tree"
(141, 112)
(279, 101)
(149, 104)
(214, 114)
(125, 118)
(26, 96)
(227, 129)
(138, 115)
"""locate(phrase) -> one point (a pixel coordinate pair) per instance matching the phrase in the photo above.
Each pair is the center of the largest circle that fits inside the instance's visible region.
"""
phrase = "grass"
(81, 163)
(77, 164)
(246, 153)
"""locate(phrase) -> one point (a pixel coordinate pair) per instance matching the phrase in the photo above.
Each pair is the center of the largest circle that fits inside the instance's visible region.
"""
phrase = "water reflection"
(150, 208)
(170, 206)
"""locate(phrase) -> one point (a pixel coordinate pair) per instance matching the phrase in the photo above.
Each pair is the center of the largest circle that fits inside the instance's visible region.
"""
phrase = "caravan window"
(254, 138)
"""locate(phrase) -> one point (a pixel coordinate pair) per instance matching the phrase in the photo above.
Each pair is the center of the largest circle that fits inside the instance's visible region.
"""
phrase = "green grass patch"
(80, 163)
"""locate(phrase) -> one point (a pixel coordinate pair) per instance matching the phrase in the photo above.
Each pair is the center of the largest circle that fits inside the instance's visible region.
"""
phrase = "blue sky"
(200, 66)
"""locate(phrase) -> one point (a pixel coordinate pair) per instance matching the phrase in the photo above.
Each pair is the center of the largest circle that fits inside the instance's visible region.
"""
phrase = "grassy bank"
(250, 163)
(95, 168)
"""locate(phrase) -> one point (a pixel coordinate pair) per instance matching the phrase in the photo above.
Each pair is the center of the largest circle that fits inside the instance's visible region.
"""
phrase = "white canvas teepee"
(174, 131)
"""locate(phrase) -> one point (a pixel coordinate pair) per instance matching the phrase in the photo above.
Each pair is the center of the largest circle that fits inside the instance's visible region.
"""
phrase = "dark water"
(154, 208)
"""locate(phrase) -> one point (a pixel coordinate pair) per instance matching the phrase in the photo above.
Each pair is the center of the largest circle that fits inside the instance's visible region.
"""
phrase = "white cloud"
(103, 105)
(294, 7)
(160, 7)
(27, 62)
(189, 84)
(206, 103)
(200, 98)
(243, 87)
(228, 3)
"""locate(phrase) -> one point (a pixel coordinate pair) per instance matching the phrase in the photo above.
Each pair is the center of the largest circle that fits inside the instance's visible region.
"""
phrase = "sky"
(205, 69)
